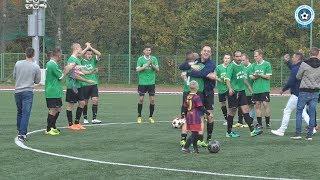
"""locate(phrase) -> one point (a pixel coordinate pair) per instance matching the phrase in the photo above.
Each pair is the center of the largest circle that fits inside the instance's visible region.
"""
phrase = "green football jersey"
(221, 72)
(261, 85)
(148, 75)
(236, 75)
(248, 72)
(53, 84)
(72, 83)
(89, 65)
(200, 81)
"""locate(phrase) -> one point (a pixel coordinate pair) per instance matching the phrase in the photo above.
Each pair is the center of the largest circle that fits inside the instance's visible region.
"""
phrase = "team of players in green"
(239, 84)
(81, 80)
(244, 85)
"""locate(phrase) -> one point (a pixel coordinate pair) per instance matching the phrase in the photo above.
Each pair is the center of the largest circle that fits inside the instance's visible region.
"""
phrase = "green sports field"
(148, 151)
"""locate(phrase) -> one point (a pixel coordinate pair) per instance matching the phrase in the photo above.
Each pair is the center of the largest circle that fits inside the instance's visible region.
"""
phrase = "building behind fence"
(117, 69)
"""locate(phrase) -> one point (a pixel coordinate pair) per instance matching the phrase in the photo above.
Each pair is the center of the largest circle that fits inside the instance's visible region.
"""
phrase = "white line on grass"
(22, 145)
(134, 92)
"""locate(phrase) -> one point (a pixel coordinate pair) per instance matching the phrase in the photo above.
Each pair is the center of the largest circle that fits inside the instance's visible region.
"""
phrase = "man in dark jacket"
(309, 73)
(293, 84)
(209, 83)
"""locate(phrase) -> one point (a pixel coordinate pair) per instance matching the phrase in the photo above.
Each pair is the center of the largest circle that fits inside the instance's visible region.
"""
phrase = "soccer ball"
(177, 122)
(214, 146)
(304, 16)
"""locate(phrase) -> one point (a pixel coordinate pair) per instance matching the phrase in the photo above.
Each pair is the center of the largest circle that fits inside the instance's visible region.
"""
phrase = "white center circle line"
(23, 146)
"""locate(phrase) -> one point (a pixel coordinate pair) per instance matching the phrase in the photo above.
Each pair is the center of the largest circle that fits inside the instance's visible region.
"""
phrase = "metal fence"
(117, 69)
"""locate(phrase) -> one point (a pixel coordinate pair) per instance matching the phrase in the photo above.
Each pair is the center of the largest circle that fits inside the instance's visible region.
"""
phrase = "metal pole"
(43, 52)
(311, 29)
(58, 22)
(109, 59)
(35, 39)
(3, 26)
(217, 35)
(2, 67)
(281, 74)
(129, 46)
(175, 69)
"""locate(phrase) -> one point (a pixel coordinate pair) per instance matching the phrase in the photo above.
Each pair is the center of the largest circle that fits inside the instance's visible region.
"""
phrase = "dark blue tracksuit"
(293, 83)
(209, 67)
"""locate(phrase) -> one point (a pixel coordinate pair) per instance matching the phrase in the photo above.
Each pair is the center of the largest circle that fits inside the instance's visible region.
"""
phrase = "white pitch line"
(135, 92)
(23, 146)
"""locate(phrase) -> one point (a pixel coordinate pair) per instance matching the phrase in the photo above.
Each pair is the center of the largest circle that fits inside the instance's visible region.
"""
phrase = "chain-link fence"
(171, 26)
(116, 69)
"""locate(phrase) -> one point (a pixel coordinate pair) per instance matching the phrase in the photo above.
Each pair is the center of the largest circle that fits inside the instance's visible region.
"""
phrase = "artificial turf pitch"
(155, 145)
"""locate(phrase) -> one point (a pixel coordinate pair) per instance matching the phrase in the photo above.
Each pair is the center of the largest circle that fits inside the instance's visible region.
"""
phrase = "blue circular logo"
(304, 15)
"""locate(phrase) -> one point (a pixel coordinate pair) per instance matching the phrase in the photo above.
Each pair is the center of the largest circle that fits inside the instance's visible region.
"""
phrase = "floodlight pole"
(3, 26)
(35, 39)
(217, 35)
(35, 27)
(311, 29)
(129, 46)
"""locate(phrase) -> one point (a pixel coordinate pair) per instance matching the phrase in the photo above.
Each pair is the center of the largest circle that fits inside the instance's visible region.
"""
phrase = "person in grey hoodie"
(26, 73)
(309, 74)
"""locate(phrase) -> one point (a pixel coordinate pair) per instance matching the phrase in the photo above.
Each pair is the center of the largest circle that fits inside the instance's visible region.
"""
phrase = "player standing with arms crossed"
(261, 75)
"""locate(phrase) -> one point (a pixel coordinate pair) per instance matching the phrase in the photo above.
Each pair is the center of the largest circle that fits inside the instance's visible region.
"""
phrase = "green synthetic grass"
(147, 144)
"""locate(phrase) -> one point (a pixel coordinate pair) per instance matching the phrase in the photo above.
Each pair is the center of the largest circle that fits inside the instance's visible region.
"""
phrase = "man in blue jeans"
(309, 73)
(26, 73)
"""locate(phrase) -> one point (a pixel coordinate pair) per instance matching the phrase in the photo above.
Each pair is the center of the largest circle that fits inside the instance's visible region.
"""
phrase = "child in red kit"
(194, 111)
